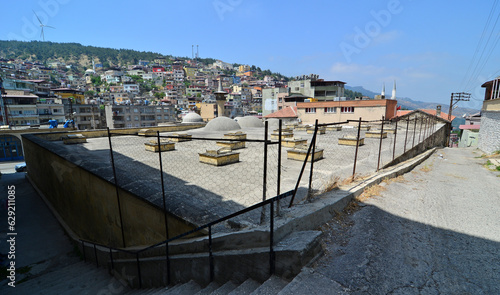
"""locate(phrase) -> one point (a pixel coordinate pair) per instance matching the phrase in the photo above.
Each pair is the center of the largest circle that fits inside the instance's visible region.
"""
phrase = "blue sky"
(426, 46)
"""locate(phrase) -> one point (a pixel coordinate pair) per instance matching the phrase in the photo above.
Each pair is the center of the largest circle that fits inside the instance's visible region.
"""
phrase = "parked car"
(21, 167)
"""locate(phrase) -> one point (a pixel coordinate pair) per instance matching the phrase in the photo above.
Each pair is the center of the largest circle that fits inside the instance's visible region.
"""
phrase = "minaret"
(394, 91)
(220, 97)
(382, 95)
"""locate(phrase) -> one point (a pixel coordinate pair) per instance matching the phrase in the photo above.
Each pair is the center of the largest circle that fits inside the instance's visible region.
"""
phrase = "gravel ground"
(433, 231)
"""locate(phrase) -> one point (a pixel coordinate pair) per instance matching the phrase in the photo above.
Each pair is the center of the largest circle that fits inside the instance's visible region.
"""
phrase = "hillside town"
(155, 92)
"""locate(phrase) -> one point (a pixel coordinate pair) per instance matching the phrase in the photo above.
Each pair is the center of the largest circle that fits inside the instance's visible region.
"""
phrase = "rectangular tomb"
(300, 152)
(180, 137)
(334, 128)
(234, 145)
(283, 130)
(347, 140)
(366, 127)
(236, 135)
(302, 127)
(147, 132)
(293, 142)
(276, 136)
(221, 157)
(376, 134)
(74, 139)
(164, 146)
(321, 130)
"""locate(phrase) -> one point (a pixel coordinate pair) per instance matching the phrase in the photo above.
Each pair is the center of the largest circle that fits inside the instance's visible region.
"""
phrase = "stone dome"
(222, 124)
(250, 121)
(192, 118)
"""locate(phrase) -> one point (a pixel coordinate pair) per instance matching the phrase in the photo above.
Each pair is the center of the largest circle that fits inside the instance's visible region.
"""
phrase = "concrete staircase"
(77, 278)
(85, 278)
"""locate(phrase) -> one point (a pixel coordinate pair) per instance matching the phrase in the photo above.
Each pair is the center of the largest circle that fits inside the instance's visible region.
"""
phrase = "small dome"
(222, 124)
(192, 118)
(250, 121)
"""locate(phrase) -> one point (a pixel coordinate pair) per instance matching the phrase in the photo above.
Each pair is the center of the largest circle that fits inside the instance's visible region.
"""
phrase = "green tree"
(159, 95)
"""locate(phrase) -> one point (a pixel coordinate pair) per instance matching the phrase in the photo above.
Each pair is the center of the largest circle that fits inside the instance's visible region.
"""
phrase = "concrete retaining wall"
(88, 202)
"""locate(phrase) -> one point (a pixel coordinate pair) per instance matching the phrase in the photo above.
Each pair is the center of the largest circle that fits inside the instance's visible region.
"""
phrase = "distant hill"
(409, 104)
(73, 53)
(363, 91)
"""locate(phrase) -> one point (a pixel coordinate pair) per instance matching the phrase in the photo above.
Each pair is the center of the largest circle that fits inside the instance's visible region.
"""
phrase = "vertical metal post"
(425, 128)
(111, 258)
(395, 135)
(278, 189)
(380, 145)
(138, 269)
(312, 156)
(420, 131)
(264, 178)
(414, 130)
(272, 257)
(95, 254)
(116, 187)
(83, 251)
(406, 136)
(167, 258)
(357, 146)
(210, 255)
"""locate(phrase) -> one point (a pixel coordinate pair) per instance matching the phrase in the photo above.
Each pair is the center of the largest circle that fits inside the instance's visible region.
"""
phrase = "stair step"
(53, 278)
(224, 289)
(311, 282)
(79, 281)
(245, 288)
(208, 289)
(188, 288)
(272, 286)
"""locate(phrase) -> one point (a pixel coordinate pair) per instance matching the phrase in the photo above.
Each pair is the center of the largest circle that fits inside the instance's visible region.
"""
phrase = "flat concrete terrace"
(200, 193)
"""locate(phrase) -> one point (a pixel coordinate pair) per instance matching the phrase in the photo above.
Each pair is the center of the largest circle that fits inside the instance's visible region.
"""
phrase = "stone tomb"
(236, 135)
(366, 127)
(376, 134)
(293, 142)
(180, 137)
(321, 130)
(221, 157)
(147, 132)
(74, 139)
(302, 127)
(275, 135)
(334, 128)
(164, 146)
(390, 130)
(350, 140)
(234, 145)
(299, 153)
(291, 126)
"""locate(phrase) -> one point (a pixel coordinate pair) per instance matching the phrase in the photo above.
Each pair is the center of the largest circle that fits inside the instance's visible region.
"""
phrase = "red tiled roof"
(288, 112)
(430, 112)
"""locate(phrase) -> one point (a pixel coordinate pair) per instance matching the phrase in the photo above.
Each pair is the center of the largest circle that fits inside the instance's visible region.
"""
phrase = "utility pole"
(455, 98)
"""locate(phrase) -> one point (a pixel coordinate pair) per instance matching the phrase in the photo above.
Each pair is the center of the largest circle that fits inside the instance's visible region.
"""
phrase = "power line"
(480, 62)
(479, 43)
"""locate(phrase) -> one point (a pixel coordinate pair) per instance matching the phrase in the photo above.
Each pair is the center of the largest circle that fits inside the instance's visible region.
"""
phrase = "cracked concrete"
(433, 232)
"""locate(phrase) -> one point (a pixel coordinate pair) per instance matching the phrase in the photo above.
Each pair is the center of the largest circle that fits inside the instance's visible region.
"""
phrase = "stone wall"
(489, 134)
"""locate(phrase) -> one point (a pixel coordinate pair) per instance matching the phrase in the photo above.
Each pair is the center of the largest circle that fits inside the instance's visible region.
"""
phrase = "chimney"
(438, 110)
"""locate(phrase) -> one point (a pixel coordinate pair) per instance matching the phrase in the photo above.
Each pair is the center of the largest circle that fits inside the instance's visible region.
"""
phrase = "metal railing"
(425, 130)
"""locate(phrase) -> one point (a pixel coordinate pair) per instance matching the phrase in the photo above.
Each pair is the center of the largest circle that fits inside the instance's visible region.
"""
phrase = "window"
(136, 110)
(297, 88)
(330, 110)
(310, 110)
(136, 118)
(347, 109)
